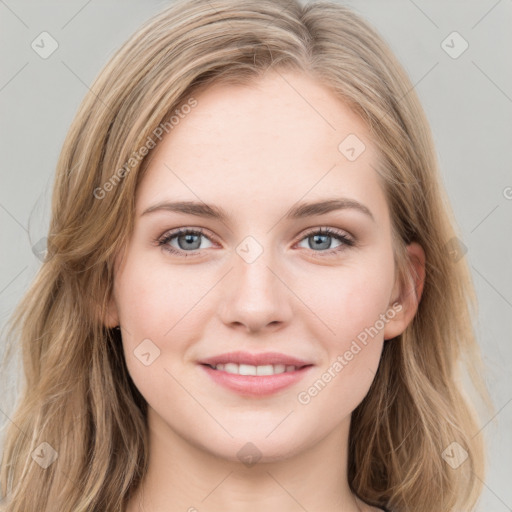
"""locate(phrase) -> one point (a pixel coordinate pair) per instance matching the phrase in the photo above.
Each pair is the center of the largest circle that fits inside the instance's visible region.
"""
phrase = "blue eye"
(189, 241)
(320, 239)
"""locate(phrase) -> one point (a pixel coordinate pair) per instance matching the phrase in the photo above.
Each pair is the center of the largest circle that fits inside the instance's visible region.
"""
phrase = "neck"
(186, 477)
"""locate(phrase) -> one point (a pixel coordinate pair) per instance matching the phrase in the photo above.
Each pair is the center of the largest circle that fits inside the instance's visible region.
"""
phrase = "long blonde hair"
(79, 403)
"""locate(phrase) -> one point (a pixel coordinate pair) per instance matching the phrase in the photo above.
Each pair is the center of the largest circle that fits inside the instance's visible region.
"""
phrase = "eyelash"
(167, 237)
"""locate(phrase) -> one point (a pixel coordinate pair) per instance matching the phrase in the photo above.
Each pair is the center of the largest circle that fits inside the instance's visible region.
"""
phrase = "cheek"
(141, 298)
(154, 299)
(164, 305)
(350, 299)
(350, 305)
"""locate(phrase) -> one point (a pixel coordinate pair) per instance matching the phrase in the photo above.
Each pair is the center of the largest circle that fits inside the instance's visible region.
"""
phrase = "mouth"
(255, 374)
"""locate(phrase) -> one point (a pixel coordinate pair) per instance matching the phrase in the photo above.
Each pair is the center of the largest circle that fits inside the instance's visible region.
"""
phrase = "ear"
(408, 297)
(110, 317)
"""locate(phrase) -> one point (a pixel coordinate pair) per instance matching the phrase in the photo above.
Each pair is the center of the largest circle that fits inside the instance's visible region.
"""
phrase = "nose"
(255, 296)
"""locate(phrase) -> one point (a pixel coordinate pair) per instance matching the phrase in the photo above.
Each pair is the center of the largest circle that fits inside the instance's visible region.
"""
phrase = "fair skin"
(255, 151)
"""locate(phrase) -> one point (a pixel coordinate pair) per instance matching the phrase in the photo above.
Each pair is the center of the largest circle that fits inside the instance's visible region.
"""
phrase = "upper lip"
(264, 358)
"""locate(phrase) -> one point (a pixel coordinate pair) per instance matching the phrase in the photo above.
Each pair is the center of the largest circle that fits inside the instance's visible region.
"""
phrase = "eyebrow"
(298, 211)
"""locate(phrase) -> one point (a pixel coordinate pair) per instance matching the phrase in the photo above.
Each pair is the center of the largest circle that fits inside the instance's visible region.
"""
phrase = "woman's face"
(260, 280)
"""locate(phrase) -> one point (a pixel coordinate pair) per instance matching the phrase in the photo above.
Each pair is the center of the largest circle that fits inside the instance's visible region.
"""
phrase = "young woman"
(250, 300)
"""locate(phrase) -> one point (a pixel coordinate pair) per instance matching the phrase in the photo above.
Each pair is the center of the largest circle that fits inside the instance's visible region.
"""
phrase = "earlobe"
(410, 297)
(110, 317)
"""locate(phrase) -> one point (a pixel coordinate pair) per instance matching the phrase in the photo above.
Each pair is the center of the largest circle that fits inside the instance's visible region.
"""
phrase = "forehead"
(273, 141)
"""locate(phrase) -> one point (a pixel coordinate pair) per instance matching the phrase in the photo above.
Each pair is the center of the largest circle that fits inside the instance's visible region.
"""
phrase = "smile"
(248, 369)
(255, 381)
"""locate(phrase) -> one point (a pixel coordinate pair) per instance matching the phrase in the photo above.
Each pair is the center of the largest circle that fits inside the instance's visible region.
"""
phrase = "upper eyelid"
(171, 233)
(330, 231)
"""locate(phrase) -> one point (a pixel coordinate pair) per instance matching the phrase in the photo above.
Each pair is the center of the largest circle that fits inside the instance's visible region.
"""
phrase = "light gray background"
(468, 101)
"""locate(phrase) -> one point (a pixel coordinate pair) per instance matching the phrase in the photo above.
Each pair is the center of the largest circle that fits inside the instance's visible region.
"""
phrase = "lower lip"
(253, 385)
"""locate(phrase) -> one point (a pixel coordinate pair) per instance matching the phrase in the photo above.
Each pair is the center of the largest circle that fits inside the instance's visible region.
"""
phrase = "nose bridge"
(256, 297)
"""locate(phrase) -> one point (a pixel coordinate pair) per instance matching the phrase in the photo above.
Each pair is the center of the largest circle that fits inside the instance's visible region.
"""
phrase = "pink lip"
(264, 358)
(253, 385)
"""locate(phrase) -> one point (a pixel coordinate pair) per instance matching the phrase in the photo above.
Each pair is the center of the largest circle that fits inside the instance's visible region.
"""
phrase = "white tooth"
(231, 368)
(279, 368)
(247, 369)
(265, 370)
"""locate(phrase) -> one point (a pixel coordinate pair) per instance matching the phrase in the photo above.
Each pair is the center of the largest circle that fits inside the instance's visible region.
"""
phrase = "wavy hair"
(78, 397)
